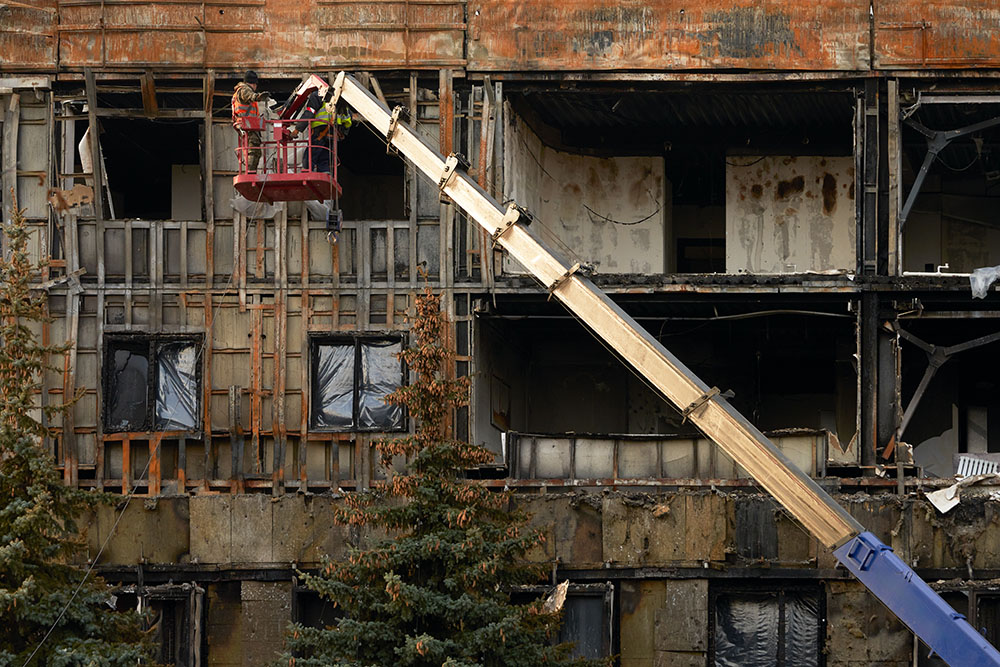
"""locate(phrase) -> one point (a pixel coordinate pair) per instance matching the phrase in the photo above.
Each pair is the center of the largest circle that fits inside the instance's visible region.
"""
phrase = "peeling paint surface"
(267, 34)
(950, 33)
(790, 214)
(665, 34)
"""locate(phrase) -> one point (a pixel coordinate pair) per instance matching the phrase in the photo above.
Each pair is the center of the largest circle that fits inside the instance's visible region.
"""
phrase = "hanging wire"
(93, 564)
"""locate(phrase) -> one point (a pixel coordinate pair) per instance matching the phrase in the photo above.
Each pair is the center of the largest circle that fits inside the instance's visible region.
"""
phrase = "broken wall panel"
(790, 214)
(667, 34)
(938, 35)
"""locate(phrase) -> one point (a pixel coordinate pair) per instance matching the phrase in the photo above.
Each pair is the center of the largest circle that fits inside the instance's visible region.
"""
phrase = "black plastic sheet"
(333, 395)
(381, 374)
(746, 631)
(750, 628)
(177, 387)
(128, 387)
(801, 629)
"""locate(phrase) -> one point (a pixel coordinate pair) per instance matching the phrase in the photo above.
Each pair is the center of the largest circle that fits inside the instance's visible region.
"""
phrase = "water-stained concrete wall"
(611, 211)
(788, 214)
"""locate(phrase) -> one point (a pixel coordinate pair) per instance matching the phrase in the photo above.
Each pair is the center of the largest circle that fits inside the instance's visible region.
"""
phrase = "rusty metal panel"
(668, 34)
(268, 34)
(945, 34)
(27, 35)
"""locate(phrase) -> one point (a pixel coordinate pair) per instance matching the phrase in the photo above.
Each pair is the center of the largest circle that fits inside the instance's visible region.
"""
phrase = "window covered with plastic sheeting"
(381, 374)
(150, 384)
(758, 629)
(333, 386)
(177, 387)
(127, 385)
(350, 379)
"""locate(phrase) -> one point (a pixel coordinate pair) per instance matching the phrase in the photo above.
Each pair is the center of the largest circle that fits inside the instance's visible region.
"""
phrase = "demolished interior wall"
(612, 212)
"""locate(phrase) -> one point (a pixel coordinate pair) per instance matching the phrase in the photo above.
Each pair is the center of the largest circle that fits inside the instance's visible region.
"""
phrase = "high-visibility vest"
(246, 116)
(320, 123)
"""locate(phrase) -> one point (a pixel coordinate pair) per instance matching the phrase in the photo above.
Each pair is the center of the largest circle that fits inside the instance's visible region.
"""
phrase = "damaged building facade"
(796, 199)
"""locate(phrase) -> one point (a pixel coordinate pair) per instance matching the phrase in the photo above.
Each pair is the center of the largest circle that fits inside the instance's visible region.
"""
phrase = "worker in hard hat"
(247, 118)
(324, 120)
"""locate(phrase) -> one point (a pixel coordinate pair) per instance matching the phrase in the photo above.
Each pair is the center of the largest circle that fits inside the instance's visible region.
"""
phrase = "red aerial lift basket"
(286, 171)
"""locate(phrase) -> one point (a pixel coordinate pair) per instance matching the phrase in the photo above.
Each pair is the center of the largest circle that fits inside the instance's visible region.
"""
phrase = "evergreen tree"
(39, 536)
(438, 593)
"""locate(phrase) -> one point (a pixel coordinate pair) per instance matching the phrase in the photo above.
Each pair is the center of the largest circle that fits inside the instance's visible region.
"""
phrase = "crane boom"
(871, 561)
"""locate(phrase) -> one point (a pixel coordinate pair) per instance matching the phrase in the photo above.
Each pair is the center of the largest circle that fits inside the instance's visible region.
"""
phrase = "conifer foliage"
(39, 534)
(438, 592)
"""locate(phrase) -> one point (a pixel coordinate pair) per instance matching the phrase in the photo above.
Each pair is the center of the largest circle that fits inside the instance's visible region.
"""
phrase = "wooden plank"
(149, 105)
(11, 120)
(97, 178)
(71, 461)
(823, 517)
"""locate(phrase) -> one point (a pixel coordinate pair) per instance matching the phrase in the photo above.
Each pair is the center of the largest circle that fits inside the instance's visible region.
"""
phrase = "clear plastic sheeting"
(177, 387)
(766, 629)
(333, 398)
(320, 210)
(257, 210)
(128, 387)
(381, 374)
(982, 279)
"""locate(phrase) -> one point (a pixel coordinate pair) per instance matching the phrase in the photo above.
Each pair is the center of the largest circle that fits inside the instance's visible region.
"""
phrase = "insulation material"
(333, 400)
(381, 374)
(177, 388)
(981, 279)
(128, 386)
(750, 627)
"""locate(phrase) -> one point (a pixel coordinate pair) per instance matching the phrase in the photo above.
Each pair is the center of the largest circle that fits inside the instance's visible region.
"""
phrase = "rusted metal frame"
(154, 475)
(128, 271)
(239, 258)
(278, 427)
(236, 440)
(71, 455)
(206, 374)
(446, 129)
(895, 169)
(99, 402)
(301, 459)
(126, 479)
(486, 141)
(154, 250)
(259, 248)
(256, 384)
(413, 185)
(209, 171)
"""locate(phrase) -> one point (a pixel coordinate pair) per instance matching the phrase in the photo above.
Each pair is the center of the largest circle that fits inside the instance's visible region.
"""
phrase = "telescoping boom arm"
(873, 563)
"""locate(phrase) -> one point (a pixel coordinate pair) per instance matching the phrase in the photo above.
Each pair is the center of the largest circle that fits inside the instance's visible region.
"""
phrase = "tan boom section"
(800, 495)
